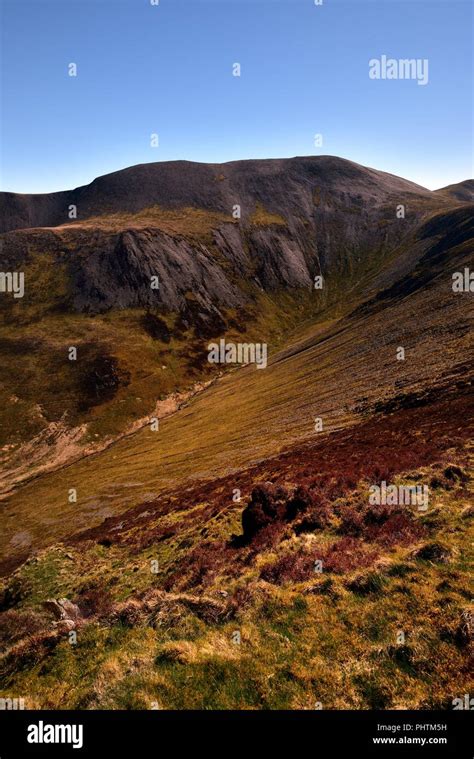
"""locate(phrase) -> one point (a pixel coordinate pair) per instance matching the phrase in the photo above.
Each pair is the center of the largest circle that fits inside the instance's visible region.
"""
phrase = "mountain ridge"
(181, 183)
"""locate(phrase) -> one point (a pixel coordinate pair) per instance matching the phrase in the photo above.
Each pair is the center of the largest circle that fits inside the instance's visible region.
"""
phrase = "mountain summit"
(281, 184)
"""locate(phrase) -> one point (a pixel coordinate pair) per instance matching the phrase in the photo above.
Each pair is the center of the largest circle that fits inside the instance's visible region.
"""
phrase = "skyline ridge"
(102, 83)
(237, 161)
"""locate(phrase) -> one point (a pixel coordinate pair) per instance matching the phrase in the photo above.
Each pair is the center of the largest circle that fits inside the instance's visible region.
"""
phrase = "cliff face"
(299, 218)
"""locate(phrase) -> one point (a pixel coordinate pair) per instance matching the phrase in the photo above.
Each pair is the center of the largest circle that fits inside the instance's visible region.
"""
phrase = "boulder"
(62, 609)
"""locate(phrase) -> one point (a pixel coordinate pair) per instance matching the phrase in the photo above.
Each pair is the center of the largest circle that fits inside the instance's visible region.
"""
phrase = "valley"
(238, 494)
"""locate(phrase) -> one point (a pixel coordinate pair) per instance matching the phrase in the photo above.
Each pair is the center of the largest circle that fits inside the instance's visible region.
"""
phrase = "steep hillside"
(300, 596)
(88, 284)
(233, 557)
(338, 369)
(462, 191)
(295, 594)
(299, 218)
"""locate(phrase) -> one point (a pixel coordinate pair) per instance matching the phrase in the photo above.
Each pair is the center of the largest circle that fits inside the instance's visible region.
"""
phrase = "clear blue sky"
(168, 70)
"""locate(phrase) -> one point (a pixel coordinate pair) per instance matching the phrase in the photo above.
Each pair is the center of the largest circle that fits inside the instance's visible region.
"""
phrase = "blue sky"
(167, 69)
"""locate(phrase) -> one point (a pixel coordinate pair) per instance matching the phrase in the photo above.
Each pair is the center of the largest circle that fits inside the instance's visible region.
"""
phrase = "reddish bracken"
(399, 529)
(18, 624)
(348, 554)
(94, 600)
(290, 568)
(343, 556)
(377, 449)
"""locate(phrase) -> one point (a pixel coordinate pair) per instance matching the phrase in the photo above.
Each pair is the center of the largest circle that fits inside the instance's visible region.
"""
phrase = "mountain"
(284, 184)
(463, 191)
(88, 284)
(298, 217)
(252, 497)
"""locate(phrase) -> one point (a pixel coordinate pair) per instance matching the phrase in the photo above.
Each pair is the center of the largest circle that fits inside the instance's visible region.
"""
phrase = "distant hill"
(463, 191)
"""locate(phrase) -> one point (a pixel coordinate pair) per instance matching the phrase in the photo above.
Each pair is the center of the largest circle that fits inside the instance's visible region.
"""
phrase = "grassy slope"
(166, 639)
(35, 332)
(35, 335)
(331, 638)
(251, 414)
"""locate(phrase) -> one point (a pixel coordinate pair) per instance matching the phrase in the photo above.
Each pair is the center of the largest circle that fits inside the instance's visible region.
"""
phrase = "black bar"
(317, 733)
